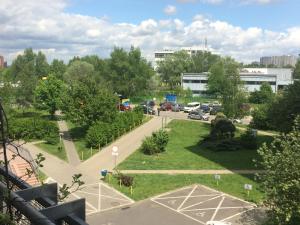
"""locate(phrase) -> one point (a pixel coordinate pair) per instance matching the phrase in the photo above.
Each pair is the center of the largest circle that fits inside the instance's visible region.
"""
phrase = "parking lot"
(203, 204)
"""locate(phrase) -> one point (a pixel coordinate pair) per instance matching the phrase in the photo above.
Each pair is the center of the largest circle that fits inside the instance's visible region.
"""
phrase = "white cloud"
(170, 10)
(47, 27)
(261, 2)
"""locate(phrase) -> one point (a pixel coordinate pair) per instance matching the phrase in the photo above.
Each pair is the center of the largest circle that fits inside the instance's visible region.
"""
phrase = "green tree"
(78, 71)
(281, 179)
(171, 68)
(41, 65)
(264, 95)
(203, 61)
(296, 72)
(57, 68)
(224, 80)
(48, 94)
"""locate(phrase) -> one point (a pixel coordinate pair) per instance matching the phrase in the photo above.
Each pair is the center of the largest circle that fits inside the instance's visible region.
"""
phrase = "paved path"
(192, 171)
(70, 149)
(127, 144)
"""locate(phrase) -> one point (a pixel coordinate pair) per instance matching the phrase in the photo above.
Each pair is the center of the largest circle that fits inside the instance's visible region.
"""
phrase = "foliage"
(86, 102)
(65, 190)
(48, 94)
(224, 80)
(203, 61)
(125, 180)
(260, 118)
(264, 95)
(101, 133)
(156, 143)
(79, 71)
(33, 128)
(281, 181)
(249, 139)
(57, 68)
(296, 72)
(222, 128)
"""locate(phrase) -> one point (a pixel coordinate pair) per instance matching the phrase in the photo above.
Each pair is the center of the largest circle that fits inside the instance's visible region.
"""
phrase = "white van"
(192, 106)
(217, 223)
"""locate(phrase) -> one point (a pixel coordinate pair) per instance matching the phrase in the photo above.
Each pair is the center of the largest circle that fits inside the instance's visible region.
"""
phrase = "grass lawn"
(149, 185)
(53, 150)
(184, 152)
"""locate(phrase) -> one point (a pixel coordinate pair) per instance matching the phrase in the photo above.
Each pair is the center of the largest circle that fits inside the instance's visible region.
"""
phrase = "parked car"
(192, 106)
(148, 110)
(177, 107)
(215, 109)
(198, 115)
(205, 108)
(149, 103)
(166, 106)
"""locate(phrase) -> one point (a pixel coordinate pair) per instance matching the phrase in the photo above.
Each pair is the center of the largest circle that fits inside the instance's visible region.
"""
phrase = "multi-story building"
(278, 78)
(2, 63)
(279, 61)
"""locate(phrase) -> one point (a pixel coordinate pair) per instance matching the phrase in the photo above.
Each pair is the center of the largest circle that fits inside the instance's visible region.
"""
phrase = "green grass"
(149, 185)
(184, 152)
(53, 150)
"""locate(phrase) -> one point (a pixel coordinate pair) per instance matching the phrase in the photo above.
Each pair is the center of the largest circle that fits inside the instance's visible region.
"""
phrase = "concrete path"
(127, 144)
(192, 171)
(70, 149)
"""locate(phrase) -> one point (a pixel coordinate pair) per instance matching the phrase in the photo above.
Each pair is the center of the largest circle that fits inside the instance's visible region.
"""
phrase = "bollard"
(131, 190)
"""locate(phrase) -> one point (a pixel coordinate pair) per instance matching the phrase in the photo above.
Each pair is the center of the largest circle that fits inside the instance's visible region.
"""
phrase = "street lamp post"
(115, 154)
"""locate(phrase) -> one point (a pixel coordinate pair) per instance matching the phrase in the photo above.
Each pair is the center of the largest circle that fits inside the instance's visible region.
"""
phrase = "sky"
(242, 29)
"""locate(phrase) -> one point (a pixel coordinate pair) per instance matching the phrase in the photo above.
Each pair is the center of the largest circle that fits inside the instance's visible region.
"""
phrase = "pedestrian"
(158, 111)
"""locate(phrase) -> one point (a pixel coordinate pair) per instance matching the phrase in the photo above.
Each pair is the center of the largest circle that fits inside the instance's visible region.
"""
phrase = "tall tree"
(281, 179)
(57, 68)
(41, 65)
(171, 68)
(263, 95)
(203, 61)
(48, 94)
(79, 70)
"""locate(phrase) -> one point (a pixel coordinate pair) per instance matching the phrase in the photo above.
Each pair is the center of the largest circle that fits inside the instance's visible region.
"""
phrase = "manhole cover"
(115, 203)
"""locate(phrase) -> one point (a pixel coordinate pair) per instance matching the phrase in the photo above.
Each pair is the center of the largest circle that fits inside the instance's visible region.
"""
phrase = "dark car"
(177, 107)
(166, 106)
(149, 103)
(205, 108)
(148, 110)
(215, 110)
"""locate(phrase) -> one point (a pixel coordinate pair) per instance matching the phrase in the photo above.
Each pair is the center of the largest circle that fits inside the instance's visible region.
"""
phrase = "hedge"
(101, 133)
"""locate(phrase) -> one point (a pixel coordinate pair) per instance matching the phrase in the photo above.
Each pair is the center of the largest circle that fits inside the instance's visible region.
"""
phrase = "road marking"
(236, 214)
(201, 202)
(237, 207)
(187, 197)
(172, 192)
(195, 196)
(217, 209)
(99, 197)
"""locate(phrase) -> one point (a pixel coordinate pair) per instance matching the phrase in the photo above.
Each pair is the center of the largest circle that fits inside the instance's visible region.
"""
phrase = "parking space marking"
(217, 207)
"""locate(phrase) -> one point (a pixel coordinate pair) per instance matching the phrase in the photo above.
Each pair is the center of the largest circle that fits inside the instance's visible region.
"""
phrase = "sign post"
(115, 154)
(248, 187)
(217, 178)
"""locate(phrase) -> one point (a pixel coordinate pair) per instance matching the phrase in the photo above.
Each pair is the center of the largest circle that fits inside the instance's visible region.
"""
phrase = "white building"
(252, 77)
(283, 60)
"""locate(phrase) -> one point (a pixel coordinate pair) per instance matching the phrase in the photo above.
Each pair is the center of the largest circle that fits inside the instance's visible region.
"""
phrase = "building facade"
(252, 77)
(279, 61)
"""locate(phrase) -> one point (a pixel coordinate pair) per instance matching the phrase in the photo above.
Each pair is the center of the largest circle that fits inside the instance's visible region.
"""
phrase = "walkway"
(70, 149)
(172, 172)
(127, 144)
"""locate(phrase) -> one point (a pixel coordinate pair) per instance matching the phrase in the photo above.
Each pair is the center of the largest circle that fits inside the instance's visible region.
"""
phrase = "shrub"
(156, 143)
(125, 180)
(222, 128)
(249, 139)
(260, 118)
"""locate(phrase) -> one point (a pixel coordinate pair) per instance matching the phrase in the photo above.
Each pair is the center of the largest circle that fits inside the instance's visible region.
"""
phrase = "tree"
(203, 61)
(264, 95)
(281, 179)
(57, 68)
(224, 80)
(78, 71)
(48, 94)
(285, 108)
(171, 68)
(41, 65)
(296, 72)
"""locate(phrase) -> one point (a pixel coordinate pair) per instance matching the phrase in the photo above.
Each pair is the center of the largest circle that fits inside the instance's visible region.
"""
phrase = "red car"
(166, 106)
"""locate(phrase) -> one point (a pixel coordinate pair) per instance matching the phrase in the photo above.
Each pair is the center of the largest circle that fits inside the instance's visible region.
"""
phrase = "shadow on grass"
(78, 132)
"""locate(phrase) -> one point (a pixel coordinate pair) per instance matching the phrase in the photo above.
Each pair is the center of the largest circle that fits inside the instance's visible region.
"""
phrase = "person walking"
(158, 111)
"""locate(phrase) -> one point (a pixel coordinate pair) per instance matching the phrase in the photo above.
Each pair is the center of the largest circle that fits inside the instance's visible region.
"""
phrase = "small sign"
(248, 187)
(115, 153)
(217, 177)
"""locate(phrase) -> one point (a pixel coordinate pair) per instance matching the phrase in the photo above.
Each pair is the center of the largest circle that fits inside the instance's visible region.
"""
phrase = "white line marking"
(187, 197)
(236, 214)
(124, 200)
(195, 196)
(201, 202)
(199, 221)
(105, 185)
(237, 207)
(86, 202)
(172, 192)
(217, 209)
(99, 197)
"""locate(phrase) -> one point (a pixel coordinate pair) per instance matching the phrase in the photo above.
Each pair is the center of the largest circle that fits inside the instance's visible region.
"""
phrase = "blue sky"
(275, 15)
(242, 29)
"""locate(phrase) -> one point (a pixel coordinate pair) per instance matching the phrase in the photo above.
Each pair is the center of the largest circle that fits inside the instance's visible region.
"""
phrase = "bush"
(125, 180)
(260, 118)
(101, 133)
(249, 139)
(156, 143)
(33, 128)
(222, 128)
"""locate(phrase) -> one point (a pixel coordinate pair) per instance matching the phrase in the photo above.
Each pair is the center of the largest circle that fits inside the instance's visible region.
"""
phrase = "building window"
(203, 81)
